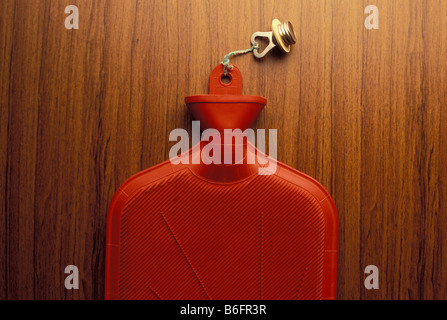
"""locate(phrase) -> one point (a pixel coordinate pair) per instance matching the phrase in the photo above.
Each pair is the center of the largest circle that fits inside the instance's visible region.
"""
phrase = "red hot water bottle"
(222, 231)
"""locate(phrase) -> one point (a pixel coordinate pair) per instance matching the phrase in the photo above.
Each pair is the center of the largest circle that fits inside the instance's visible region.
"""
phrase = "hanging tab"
(233, 78)
(282, 36)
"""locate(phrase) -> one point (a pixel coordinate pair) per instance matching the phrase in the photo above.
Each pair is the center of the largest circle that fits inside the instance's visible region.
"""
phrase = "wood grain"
(361, 111)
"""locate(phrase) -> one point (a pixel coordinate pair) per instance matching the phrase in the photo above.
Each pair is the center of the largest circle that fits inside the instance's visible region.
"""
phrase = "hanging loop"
(268, 35)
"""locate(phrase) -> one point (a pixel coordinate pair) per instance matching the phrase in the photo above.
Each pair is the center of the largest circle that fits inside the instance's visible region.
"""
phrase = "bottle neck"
(224, 160)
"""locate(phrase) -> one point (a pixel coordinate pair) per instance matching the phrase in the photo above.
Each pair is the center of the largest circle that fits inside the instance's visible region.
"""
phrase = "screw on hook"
(282, 36)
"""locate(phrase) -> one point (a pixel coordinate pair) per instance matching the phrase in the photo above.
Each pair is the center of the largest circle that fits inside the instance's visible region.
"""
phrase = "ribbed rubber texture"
(186, 238)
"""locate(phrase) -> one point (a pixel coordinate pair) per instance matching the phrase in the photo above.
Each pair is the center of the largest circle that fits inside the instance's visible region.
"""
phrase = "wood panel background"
(361, 111)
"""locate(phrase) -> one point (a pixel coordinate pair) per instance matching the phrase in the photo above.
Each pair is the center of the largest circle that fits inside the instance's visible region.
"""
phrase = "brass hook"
(282, 35)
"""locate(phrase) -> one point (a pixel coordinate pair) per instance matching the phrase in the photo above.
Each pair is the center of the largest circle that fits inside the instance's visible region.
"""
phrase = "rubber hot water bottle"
(217, 231)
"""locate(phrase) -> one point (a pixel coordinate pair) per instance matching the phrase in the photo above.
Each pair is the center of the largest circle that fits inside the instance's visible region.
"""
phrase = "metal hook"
(282, 35)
